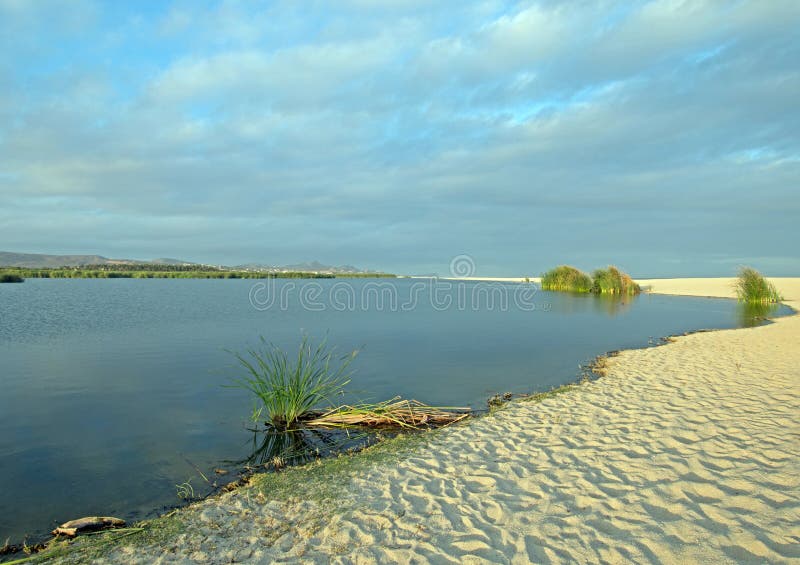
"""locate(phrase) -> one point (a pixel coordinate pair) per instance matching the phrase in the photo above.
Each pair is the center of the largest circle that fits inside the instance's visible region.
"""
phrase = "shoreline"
(429, 486)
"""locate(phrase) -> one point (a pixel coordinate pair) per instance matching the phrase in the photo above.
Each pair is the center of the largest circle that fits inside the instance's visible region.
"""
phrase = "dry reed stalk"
(394, 413)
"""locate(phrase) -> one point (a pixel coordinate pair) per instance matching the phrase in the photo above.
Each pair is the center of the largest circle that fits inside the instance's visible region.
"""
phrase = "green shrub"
(9, 278)
(566, 278)
(290, 389)
(613, 281)
(754, 288)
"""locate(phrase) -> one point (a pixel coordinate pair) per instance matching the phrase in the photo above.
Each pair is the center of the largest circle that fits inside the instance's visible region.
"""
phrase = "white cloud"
(386, 128)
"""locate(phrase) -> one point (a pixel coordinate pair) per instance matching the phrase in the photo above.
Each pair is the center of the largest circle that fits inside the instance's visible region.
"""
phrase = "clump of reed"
(290, 389)
(10, 278)
(297, 394)
(753, 288)
(613, 281)
(566, 279)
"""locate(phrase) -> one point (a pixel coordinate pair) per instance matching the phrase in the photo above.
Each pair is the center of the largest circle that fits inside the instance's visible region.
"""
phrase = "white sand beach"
(715, 287)
(685, 453)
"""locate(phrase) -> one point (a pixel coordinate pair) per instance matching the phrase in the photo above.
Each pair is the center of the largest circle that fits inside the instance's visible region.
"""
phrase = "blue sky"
(660, 136)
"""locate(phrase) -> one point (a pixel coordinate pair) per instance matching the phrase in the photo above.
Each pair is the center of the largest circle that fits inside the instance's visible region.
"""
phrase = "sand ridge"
(688, 452)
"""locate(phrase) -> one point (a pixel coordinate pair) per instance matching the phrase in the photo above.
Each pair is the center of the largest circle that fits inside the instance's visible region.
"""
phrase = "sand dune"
(684, 453)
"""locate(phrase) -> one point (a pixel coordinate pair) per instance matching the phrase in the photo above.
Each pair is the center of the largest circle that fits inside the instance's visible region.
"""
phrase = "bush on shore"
(603, 281)
(614, 281)
(566, 278)
(9, 278)
(752, 287)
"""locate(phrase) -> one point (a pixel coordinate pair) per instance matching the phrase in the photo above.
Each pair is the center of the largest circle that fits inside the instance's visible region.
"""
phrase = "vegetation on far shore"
(611, 280)
(155, 271)
(10, 278)
(566, 279)
(753, 288)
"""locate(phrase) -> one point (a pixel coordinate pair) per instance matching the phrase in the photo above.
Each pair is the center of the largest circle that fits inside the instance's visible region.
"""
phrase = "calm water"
(111, 389)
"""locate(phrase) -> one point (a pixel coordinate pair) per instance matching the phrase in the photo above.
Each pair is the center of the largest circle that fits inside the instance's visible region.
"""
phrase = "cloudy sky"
(661, 136)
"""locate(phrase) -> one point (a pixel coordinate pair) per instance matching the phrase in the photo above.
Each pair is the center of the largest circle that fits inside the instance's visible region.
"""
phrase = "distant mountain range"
(41, 261)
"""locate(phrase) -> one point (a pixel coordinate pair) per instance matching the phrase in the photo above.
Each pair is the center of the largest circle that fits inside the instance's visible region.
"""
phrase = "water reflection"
(608, 304)
(751, 314)
(612, 305)
(275, 448)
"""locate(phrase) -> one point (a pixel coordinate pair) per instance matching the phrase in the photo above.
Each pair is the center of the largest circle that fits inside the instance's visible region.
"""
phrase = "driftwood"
(87, 524)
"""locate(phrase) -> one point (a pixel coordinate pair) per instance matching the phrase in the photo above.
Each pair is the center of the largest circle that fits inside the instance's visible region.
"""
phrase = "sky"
(663, 137)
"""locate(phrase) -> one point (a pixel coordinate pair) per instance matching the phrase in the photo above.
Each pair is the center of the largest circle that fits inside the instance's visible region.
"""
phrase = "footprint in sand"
(479, 483)
(492, 511)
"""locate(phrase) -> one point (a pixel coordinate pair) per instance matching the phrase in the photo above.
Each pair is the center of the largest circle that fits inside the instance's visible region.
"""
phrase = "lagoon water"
(111, 390)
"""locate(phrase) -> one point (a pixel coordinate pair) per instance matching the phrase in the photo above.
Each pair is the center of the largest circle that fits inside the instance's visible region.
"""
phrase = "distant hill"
(37, 260)
(40, 261)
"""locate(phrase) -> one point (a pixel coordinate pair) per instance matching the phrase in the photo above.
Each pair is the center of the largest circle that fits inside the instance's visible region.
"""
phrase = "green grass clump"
(613, 281)
(566, 278)
(290, 389)
(602, 281)
(753, 288)
(10, 278)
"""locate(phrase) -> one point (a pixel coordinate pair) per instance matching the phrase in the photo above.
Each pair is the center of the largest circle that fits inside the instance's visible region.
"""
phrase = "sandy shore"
(684, 453)
(715, 287)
